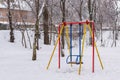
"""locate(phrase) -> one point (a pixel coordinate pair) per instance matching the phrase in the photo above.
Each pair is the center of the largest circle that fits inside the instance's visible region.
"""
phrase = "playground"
(82, 27)
(16, 61)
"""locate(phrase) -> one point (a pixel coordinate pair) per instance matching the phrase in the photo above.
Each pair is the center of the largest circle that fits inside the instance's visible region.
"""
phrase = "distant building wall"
(18, 16)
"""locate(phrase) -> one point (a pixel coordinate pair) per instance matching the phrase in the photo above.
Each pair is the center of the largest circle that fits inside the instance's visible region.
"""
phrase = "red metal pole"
(93, 47)
(83, 22)
(59, 49)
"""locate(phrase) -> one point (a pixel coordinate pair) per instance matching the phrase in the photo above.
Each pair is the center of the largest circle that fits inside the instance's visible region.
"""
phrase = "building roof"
(17, 4)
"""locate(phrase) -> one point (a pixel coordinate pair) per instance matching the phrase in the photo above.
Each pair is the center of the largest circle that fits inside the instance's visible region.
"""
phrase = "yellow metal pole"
(67, 44)
(67, 38)
(96, 48)
(55, 47)
(99, 56)
(83, 42)
(84, 32)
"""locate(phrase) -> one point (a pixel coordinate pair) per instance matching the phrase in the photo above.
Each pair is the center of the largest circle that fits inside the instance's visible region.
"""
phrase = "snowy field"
(16, 62)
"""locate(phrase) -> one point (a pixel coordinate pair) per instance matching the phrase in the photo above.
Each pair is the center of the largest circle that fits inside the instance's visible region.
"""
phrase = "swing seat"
(76, 61)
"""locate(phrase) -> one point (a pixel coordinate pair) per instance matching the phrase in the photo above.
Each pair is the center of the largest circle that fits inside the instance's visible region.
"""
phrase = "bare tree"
(36, 35)
(90, 17)
(24, 28)
(62, 5)
(115, 30)
(98, 17)
(10, 21)
(45, 23)
(37, 10)
(78, 7)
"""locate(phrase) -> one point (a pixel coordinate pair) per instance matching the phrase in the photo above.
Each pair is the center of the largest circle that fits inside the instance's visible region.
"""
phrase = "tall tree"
(100, 19)
(10, 21)
(45, 23)
(37, 10)
(90, 10)
(62, 5)
(36, 35)
(115, 20)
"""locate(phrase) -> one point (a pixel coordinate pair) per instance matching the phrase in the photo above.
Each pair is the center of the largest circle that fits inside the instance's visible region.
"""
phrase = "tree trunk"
(10, 22)
(29, 39)
(36, 35)
(62, 4)
(90, 17)
(34, 48)
(45, 25)
(116, 33)
(51, 22)
(36, 39)
(23, 39)
(101, 25)
(63, 20)
(80, 9)
(101, 33)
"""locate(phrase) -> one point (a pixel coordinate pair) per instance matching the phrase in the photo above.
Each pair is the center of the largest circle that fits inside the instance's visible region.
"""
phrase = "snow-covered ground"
(16, 62)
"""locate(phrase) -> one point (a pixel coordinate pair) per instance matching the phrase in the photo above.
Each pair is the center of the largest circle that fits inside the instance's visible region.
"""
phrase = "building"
(20, 17)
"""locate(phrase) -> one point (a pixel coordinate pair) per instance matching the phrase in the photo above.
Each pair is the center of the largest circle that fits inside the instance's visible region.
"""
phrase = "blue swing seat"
(76, 61)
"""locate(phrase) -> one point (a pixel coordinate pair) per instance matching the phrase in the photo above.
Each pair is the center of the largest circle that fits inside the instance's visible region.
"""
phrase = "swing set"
(82, 36)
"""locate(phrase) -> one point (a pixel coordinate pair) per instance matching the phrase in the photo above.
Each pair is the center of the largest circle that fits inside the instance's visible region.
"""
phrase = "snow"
(25, 23)
(4, 22)
(17, 4)
(18, 23)
(16, 62)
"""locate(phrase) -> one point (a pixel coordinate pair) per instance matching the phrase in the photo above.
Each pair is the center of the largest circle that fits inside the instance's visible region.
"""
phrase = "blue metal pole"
(70, 42)
(81, 32)
(80, 39)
